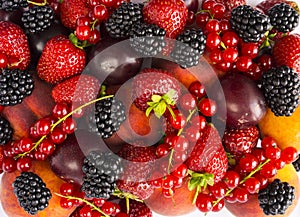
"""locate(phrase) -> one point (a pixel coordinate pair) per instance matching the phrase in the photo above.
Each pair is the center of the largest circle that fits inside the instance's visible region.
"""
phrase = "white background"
(224, 212)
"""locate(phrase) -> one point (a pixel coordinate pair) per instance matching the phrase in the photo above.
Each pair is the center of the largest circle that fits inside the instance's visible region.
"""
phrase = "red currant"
(25, 144)
(43, 126)
(231, 179)
(108, 207)
(248, 162)
(230, 55)
(168, 192)
(85, 211)
(83, 32)
(66, 203)
(83, 21)
(204, 202)
(215, 56)
(201, 19)
(69, 126)
(193, 134)
(243, 63)
(162, 150)
(60, 110)
(98, 202)
(219, 206)
(197, 89)
(180, 143)
(218, 189)
(213, 25)
(268, 170)
(95, 37)
(213, 40)
(66, 189)
(259, 154)
(207, 107)
(218, 10)
(289, 155)
(252, 185)
(167, 182)
(208, 5)
(262, 180)
(57, 136)
(181, 171)
(272, 153)
(250, 49)
(268, 142)
(9, 164)
(47, 147)
(179, 121)
(100, 12)
(24, 164)
(230, 39)
(241, 195)
(187, 102)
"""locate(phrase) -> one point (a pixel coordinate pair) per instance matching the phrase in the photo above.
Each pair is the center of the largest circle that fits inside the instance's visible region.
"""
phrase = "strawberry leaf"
(156, 98)
(160, 109)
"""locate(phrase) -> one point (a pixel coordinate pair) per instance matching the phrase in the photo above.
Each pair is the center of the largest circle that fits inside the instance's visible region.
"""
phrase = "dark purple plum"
(245, 103)
(67, 160)
(192, 5)
(37, 41)
(14, 16)
(113, 63)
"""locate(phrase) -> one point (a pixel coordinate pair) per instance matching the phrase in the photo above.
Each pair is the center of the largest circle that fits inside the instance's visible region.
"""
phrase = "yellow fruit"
(285, 130)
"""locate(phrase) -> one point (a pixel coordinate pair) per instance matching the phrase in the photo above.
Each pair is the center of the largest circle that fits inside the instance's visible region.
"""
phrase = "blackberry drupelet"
(6, 131)
(123, 18)
(283, 17)
(38, 18)
(276, 197)
(31, 192)
(250, 24)
(147, 39)
(296, 164)
(109, 115)
(15, 85)
(11, 5)
(101, 173)
(188, 48)
(281, 88)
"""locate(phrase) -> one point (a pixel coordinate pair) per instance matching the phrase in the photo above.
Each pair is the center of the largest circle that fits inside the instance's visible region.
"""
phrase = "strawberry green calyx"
(77, 43)
(199, 181)
(160, 104)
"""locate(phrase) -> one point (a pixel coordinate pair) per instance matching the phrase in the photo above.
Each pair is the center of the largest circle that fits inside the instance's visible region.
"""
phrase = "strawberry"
(230, 4)
(142, 190)
(139, 209)
(267, 4)
(208, 154)
(70, 10)
(14, 44)
(155, 89)
(80, 89)
(170, 15)
(60, 59)
(139, 161)
(286, 51)
(240, 141)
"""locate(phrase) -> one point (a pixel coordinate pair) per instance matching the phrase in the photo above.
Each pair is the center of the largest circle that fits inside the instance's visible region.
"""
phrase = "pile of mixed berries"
(205, 141)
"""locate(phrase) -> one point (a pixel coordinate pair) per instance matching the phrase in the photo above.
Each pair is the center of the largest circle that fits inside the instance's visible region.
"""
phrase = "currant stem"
(84, 201)
(36, 144)
(36, 3)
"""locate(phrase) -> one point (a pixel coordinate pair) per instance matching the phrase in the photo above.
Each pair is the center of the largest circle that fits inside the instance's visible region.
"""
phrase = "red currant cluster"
(186, 125)
(92, 207)
(250, 175)
(44, 135)
(226, 50)
(99, 11)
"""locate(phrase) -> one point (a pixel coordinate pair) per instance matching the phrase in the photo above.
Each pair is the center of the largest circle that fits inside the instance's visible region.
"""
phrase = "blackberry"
(101, 173)
(281, 88)
(250, 24)
(283, 17)
(6, 131)
(15, 85)
(276, 197)
(123, 18)
(296, 164)
(147, 39)
(12, 5)
(31, 191)
(109, 115)
(38, 18)
(188, 48)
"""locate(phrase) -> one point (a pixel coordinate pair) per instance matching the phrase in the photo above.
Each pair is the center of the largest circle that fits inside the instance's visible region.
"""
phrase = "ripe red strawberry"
(240, 141)
(80, 89)
(14, 44)
(230, 4)
(170, 15)
(267, 4)
(139, 161)
(208, 154)
(139, 209)
(142, 190)
(154, 82)
(60, 59)
(286, 51)
(70, 10)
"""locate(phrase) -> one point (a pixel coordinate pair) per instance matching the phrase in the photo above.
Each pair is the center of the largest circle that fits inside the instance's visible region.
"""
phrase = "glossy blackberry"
(250, 24)
(11, 5)
(109, 115)
(296, 164)
(123, 18)
(6, 131)
(188, 48)
(15, 85)
(276, 197)
(281, 88)
(31, 192)
(147, 39)
(101, 173)
(38, 18)
(283, 17)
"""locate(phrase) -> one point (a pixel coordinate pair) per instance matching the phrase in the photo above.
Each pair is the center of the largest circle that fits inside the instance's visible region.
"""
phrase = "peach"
(10, 203)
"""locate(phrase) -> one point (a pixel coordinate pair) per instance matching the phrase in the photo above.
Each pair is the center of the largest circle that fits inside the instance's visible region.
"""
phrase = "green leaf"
(152, 104)
(192, 184)
(156, 98)
(160, 109)
(148, 111)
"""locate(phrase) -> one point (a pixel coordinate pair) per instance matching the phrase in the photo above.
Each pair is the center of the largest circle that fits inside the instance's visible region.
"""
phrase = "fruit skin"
(287, 174)
(60, 59)
(70, 10)
(14, 43)
(78, 89)
(230, 4)
(286, 51)
(9, 201)
(170, 15)
(182, 199)
(285, 130)
(267, 4)
(208, 154)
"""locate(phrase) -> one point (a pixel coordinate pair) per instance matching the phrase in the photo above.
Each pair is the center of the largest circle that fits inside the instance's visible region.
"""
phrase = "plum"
(14, 16)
